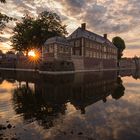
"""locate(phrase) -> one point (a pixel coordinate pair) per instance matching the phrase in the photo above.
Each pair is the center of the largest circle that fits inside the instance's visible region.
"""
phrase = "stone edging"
(62, 72)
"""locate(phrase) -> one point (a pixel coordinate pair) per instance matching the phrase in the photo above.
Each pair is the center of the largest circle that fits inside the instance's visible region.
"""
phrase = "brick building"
(93, 51)
(56, 48)
(56, 55)
(127, 63)
(85, 49)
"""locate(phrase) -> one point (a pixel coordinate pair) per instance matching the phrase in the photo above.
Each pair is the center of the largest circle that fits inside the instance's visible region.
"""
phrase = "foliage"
(10, 52)
(1, 52)
(120, 44)
(32, 32)
(3, 1)
(3, 20)
(119, 91)
(2, 17)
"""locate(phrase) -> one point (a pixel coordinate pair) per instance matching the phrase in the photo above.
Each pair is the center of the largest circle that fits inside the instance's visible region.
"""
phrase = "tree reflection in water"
(33, 107)
(51, 94)
(119, 90)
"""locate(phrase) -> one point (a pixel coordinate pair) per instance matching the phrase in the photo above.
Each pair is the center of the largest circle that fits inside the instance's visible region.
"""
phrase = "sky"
(114, 17)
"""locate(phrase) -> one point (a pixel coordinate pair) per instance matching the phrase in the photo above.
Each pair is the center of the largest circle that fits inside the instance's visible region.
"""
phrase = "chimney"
(83, 26)
(105, 36)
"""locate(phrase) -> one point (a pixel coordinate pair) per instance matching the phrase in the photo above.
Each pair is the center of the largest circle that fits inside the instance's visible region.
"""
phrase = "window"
(104, 56)
(100, 55)
(60, 48)
(108, 49)
(97, 55)
(77, 43)
(90, 44)
(46, 49)
(86, 43)
(94, 54)
(49, 48)
(77, 52)
(93, 45)
(72, 43)
(86, 54)
(97, 47)
(66, 49)
(90, 54)
(104, 48)
(111, 50)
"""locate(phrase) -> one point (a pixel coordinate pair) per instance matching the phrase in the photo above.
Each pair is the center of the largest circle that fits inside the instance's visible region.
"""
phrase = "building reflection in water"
(50, 95)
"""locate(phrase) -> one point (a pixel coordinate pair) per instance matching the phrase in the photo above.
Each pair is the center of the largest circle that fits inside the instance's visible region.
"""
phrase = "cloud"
(73, 8)
(112, 120)
(131, 52)
(133, 47)
(75, 3)
(94, 16)
(115, 17)
(3, 39)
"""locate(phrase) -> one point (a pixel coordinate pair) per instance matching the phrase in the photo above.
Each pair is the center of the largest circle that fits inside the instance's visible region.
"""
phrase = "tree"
(22, 34)
(1, 17)
(32, 33)
(10, 52)
(119, 90)
(120, 44)
(4, 18)
(3, 1)
(1, 52)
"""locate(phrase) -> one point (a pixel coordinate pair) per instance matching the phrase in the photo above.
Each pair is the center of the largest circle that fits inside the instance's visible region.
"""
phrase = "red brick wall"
(98, 63)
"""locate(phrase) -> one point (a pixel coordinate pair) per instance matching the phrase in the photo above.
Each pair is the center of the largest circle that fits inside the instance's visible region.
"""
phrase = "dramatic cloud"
(112, 120)
(115, 17)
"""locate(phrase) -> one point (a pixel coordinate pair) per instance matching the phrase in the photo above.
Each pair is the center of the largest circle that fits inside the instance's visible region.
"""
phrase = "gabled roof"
(58, 40)
(79, 32)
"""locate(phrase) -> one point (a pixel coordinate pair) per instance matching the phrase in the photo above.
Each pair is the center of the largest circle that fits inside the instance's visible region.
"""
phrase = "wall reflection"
(46, 100)
(50, 95)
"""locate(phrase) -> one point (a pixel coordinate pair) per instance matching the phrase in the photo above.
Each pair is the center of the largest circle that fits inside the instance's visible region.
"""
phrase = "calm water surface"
(93, 106)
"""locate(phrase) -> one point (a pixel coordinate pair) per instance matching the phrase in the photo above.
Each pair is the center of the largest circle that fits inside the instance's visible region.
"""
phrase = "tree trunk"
(26, 53)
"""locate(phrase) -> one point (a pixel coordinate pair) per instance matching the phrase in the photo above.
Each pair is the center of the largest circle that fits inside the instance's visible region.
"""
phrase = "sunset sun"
(32, 53)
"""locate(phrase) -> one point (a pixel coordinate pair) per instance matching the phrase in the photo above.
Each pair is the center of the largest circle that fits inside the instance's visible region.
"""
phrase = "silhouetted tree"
(10, 52)
(4, 18)
(120, 44)
(3, 1)
(119, 91)
(31, 32)
(1, 52)
(137, 62)
(34, 106)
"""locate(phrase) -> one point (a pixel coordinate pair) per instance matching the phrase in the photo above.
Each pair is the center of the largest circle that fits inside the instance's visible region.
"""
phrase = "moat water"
(90, 106)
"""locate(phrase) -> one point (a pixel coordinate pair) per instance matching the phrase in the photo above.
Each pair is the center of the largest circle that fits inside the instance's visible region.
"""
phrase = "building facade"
(94, 51)
(56, 48)
(56, 55)
(85, 49)
(127, 63)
